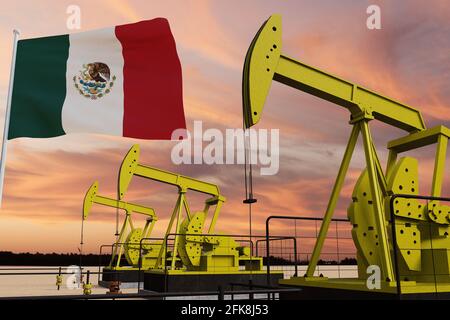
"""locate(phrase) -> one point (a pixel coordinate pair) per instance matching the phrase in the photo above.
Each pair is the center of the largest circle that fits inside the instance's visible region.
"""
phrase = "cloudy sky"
(408, 59)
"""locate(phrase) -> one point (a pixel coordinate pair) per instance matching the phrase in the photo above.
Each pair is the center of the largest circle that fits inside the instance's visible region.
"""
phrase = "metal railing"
(254, 241)
(297, 218)
(220, 294)
(278, 238)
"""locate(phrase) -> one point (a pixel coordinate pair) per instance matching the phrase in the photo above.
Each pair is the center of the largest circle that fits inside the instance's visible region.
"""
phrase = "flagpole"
(7, 113)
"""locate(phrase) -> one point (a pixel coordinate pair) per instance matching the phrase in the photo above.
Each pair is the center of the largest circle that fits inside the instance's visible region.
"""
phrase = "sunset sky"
(408, 60)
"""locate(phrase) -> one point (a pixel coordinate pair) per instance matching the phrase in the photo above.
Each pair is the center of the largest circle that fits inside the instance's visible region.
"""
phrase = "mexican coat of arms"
(94, 80)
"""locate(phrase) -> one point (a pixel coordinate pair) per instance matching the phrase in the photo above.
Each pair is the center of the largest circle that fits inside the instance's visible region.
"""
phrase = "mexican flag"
(125, 81)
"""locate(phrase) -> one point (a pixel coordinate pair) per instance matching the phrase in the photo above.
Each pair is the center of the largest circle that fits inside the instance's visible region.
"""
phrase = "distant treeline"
(8, 258)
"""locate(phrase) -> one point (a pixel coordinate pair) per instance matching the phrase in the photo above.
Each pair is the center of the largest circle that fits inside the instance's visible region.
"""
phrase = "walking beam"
(92, 197)
(130, 167)
(265, 62)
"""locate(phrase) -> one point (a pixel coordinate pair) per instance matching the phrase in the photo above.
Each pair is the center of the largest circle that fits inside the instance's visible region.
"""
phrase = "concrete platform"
(122, 275)
(351, 289)
(160, 281)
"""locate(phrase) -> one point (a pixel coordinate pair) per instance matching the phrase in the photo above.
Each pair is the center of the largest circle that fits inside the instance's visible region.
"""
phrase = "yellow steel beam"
(438, 135)
(264, 62)
(392, 159)
(130, 166)
(91, 197)
(381, 177)
(380, 221)
(439, 165)
(418, 139)
(333, 201)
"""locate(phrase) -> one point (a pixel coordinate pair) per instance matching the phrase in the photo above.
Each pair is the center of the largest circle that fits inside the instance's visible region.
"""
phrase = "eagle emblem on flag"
(94, 80)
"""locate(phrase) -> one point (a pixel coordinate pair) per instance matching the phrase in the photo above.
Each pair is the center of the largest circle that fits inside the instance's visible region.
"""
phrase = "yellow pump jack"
(405, 235)
(191, 256)
(129, 238)
(197, 249)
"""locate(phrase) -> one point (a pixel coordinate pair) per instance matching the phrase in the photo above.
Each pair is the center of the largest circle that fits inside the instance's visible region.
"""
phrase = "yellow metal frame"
(182, 272)
(408, 287)
(438, 135)
(92, 197)
(265, 63)
(194, 252)
(130, 167)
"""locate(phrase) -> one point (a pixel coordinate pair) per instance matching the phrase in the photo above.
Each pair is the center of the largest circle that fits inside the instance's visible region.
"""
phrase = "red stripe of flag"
(153, 95)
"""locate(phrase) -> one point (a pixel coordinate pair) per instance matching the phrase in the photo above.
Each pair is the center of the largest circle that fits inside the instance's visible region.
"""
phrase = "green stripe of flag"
(39, 87)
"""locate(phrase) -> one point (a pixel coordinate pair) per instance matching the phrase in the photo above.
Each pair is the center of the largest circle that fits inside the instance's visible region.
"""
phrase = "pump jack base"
(122, 274)
(197, 281)
(350, 289)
